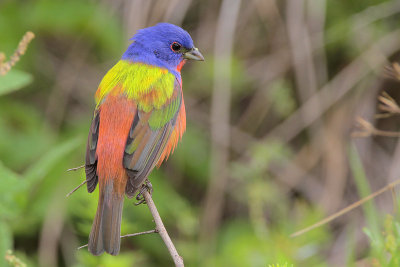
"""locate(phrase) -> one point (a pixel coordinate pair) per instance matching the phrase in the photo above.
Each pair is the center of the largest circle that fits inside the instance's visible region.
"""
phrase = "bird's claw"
(145, 186)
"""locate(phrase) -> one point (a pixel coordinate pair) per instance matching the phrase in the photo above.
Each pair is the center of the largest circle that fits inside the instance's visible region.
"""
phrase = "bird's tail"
(106, 228)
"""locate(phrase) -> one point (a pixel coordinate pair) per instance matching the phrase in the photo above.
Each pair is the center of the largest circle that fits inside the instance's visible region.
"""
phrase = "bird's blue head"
(163, 45)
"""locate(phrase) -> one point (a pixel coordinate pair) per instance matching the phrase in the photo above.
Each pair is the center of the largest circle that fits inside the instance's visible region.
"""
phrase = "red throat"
(179, 67)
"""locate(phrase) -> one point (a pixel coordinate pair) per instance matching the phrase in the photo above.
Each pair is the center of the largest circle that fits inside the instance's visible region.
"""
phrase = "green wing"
(148, 136)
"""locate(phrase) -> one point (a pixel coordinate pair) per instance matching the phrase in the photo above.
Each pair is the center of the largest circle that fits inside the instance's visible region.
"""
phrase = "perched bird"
(138, 120)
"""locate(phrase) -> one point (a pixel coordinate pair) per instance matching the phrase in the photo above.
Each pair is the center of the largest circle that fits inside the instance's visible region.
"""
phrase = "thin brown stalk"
(76, 188)
(347, 209)
(130, 235)
(393, 71)
(160, 228)
(76, 168)
(388, 104)
(22, 46)
(367, 129)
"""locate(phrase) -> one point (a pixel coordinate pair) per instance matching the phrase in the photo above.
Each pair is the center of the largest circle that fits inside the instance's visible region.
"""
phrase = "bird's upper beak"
(194, 54)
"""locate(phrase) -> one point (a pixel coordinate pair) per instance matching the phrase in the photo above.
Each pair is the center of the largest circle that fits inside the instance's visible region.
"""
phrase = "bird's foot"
(145, 186)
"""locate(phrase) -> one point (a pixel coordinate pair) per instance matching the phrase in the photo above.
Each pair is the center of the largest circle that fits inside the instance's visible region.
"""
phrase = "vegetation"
(288, 78)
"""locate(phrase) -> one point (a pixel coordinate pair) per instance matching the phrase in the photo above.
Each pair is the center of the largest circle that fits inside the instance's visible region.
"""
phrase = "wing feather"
(148, 139)
(91, 158)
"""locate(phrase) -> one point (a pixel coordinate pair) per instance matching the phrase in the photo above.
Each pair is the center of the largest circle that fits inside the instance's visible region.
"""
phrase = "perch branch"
(130, 235)
(22, 46)
(178, 260)
(160, 228)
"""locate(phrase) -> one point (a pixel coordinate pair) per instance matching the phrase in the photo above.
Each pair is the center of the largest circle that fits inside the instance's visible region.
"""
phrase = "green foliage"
(282, 98)
(386, 255)
(364, 190)
(14, 80)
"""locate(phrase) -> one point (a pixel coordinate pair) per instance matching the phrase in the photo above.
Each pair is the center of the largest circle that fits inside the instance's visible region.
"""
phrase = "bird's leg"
(145, 186)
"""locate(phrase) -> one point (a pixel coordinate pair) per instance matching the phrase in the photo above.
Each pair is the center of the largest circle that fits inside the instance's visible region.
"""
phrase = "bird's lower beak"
(193, 54)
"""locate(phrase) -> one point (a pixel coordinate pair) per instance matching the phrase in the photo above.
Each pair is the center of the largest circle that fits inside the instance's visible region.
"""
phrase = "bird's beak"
(194, 54)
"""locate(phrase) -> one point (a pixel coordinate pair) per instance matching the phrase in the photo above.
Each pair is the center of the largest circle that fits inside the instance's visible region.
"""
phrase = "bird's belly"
(116, 116)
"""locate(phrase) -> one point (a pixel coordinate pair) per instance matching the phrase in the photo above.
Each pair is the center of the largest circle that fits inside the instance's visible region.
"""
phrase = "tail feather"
(106, 228)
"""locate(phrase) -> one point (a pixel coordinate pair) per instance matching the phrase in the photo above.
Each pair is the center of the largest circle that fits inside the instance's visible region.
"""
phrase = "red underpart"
(115, 122)
(179, 67)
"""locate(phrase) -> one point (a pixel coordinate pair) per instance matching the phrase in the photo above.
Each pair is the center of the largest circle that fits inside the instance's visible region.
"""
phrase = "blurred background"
(268, 148)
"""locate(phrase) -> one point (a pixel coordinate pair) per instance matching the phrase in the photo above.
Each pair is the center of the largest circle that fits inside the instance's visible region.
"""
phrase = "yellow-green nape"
(149, 86)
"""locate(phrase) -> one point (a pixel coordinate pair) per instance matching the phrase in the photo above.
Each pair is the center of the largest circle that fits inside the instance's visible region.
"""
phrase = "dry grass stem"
(367, 129)
(393, 71)
(130, 235)
(347, 209)
(388, 104)
(22, 46)
(76, 168)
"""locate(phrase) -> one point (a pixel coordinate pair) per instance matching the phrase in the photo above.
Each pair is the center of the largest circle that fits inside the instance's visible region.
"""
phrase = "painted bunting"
(138, 120)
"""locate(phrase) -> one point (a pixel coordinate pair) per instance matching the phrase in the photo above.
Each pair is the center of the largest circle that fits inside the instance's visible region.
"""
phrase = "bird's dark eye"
(176, 47)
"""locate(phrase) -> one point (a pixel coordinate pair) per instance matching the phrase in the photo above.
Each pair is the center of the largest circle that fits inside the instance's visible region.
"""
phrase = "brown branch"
(178, 260)
(130, 235)
(160, 228)
(347, 209)
(22, 46)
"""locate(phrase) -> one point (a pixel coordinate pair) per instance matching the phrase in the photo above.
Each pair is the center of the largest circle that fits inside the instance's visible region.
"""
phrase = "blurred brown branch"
(22, 46)
(220, 117)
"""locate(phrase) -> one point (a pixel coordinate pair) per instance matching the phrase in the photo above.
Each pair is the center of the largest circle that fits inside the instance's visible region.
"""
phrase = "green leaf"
(11, 183)
(14, 80)
(5, 241)
(50, 159)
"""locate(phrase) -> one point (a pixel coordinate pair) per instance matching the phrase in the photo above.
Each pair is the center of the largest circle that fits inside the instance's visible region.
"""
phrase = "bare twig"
(388, 104)
(22, 46)
(130, 235)
(76, 188)
(367, 129)
(160, 228)
(393, 71)
(76, 168)
(347, 209)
